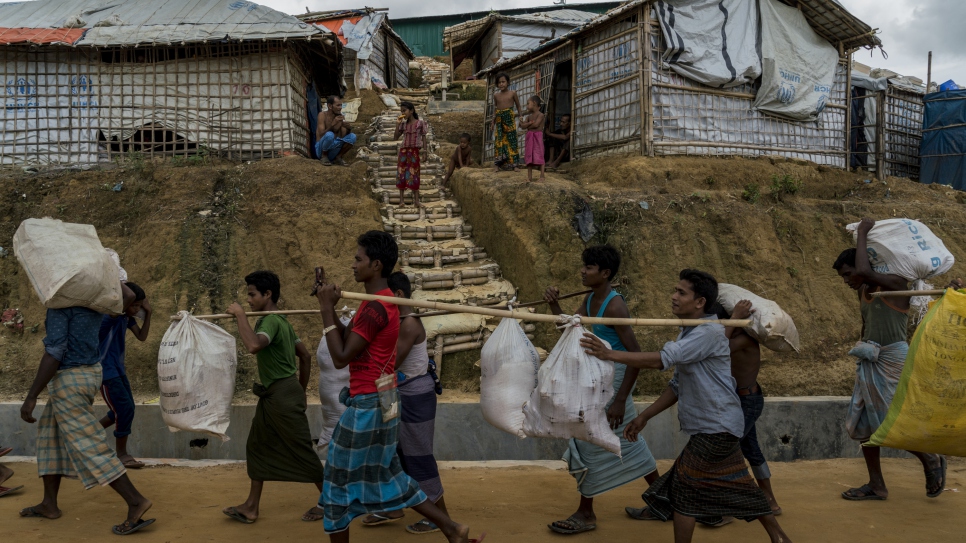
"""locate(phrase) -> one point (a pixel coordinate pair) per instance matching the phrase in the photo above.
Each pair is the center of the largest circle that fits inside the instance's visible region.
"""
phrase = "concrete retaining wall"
(806, 428)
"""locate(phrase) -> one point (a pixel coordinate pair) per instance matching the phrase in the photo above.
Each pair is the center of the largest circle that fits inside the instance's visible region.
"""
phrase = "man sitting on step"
(334, 137)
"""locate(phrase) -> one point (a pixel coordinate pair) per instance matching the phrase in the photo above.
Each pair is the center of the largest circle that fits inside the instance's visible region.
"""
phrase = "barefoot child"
(533, 124)
(5, 474)
(505, 124)
(413, 131)
(279, 446)
(462, 157)
(559, 141)
(115, 388)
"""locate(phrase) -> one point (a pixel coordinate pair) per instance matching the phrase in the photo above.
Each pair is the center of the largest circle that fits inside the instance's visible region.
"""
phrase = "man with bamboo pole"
(881, 355)
(710, 477)
(363, 474)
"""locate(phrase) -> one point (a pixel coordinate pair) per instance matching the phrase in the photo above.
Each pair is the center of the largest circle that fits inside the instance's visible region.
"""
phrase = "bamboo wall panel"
(902, 123)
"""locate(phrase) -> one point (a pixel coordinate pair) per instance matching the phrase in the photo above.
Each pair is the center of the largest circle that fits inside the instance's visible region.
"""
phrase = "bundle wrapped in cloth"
(509, 364)
(928, 411)
(573, 389)
(770, 325)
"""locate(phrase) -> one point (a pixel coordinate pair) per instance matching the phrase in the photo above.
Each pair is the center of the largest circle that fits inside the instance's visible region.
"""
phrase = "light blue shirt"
(707, 401)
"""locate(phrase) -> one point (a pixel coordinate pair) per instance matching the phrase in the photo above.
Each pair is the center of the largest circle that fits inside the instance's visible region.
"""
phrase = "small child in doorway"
(533, 123)
(115, 387)
(413, 130)
(461, 158)
(504, 124)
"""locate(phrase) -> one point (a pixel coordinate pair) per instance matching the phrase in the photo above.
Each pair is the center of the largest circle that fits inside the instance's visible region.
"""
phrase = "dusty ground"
(448, 128)
(510, 504)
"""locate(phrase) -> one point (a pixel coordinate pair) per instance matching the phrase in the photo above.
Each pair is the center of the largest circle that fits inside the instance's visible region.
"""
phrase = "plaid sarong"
(877, 372)
(709, 479)
(362, 472)
(417, 397)
(70, 439)
(505, 137)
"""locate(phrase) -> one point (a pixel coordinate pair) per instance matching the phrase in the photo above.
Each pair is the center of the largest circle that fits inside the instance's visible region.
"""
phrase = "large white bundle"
(770, 325)
(331, 383)
(906, 248)
(68, 266)
(572, 392)
(509, 364)
(196, 374)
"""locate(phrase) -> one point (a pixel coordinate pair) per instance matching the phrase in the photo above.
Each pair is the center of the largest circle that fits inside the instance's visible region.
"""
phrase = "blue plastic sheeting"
(943, 148)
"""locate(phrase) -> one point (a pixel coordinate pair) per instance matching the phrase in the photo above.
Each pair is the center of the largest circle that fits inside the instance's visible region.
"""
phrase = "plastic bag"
(196, 375)
(770, 326)
(508, 365)
(928, 411)
(573, 389)
(68, 266)
(331, 383)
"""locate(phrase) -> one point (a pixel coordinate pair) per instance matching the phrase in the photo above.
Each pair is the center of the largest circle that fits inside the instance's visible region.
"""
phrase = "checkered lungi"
(709, 479)
(362, 471)
(70, 439)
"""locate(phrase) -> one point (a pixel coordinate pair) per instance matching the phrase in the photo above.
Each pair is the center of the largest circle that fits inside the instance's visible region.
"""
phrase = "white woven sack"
(331, 383)
(68, 266)
(508, 365)
(906, 248)
(196, 375)
(572, 392)
(770, 325)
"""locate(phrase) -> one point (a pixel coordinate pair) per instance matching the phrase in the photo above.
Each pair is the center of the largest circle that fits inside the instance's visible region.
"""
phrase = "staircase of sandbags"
(436, 247)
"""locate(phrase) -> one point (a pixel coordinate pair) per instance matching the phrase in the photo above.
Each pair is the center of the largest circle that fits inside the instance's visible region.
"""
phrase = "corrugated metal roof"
(355, 28)
(455, 38)
(134, 22)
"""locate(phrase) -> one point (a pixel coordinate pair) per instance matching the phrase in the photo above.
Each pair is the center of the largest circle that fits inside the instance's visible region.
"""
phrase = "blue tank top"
(606, 333)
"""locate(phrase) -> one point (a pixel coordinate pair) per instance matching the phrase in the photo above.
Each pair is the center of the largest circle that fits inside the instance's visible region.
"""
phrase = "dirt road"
(510, 504)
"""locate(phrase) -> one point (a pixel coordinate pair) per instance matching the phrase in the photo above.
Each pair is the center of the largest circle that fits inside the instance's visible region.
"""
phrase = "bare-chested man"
(334, 137)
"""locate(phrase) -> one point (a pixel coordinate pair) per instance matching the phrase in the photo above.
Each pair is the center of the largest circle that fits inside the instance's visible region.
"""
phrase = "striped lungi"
(362, 472)
(418, 422)
(70, 439)
(708, 479)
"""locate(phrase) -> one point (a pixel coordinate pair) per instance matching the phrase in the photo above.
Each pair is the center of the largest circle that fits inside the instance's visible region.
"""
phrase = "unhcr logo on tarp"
(249, 6)
(786, 92)
(21, 94)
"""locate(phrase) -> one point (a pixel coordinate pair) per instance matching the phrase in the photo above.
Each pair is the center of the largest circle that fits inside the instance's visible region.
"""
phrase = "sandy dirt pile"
(665, 214)
(189, 235)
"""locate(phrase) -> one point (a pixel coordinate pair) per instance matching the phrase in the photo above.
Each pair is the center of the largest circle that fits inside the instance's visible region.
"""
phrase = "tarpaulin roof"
(355, 28)
(943, 149)
(459, 37)
(133, 22)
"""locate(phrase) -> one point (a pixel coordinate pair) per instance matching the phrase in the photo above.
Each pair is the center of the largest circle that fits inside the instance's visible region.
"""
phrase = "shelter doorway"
(559, 104)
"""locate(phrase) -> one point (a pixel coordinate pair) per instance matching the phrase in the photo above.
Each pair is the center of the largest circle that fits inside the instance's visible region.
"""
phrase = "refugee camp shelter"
(886, 124)
(87, 80)
(499, 37)
(699, 77)
(943, 150)
(375, 56)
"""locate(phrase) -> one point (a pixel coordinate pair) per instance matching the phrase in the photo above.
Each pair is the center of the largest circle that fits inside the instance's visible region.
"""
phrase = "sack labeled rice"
(928, 411)
(906, 248)
(196, 375)
(68, 266)
(770, 325)
(572, 392)
(508, 365)
(331, 383)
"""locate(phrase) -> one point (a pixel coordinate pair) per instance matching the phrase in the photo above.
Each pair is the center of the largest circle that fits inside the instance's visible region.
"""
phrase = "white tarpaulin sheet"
(359, 35)
(798, 65)
(714, 42)
(519, 38)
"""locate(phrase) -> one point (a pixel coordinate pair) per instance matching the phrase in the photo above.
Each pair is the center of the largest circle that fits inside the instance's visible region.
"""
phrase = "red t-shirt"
(377, 323)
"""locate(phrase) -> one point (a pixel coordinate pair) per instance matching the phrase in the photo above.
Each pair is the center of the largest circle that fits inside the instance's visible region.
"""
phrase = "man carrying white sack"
(880, 358)
(710, 477)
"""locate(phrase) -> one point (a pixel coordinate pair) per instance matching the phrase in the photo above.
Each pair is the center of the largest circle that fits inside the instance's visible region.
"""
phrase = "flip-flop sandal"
(233, 513)
(127, 528)
(777, 512)
(715, 522)
(381, 519)
(5, 451)
(941, 476)
(579, 526)
(866, 490)
(321, 515)
(638, 513)
(4, 490)
(425, 522)
(137, 464)
(31, 512)
(479, 539)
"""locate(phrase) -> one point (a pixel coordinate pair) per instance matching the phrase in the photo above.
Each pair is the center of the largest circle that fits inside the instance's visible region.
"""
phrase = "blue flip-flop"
(425, 522)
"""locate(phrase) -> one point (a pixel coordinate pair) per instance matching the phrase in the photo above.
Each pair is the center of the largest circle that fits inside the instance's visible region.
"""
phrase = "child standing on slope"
(413, 131)
(533, 123)
(504, 123)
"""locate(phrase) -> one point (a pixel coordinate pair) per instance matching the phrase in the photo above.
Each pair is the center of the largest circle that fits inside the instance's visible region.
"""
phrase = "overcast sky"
(909, 29)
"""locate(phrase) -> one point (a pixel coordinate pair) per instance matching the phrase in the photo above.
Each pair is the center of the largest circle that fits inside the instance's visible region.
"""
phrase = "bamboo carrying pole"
(521, 315)
(901, 293)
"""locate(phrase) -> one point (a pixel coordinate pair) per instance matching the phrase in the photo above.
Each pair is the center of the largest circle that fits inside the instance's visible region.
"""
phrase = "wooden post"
(848, 110)
(573, 96)
(929, 73)
(355, 76)
(880, 125)
(648, 87)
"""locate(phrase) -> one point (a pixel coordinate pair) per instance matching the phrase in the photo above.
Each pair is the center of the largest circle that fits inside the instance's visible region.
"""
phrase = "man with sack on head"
(880, 357)
(709, 478)
(70, 440)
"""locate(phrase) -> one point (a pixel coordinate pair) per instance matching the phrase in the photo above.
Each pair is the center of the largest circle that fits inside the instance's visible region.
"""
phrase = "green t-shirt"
(278, 360)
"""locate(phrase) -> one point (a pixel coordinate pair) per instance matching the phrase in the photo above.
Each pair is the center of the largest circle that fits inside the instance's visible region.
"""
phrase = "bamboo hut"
(375, 56)
(85, 82)
(886, 123)
(696, 78)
